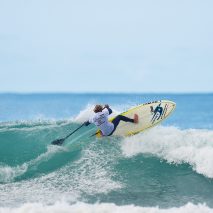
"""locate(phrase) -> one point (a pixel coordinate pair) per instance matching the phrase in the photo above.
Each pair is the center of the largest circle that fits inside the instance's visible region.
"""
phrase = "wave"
(176, 146)
(100, 167)
(103, 207)
(191, 146)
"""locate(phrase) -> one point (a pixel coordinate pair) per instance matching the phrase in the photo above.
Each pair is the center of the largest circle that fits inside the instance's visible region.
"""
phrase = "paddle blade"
(58, 142)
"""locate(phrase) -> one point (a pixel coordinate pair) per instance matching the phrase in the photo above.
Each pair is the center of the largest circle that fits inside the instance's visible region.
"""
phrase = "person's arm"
(107, 107)
(90, 121)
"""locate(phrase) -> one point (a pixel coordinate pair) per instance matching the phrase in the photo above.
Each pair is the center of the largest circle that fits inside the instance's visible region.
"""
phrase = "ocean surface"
(168, 168)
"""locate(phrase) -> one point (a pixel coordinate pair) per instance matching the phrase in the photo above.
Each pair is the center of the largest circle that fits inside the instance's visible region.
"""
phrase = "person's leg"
(119, 118)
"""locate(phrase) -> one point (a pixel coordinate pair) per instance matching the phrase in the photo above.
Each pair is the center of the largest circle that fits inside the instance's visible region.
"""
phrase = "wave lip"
(192, 146)
(104, 207)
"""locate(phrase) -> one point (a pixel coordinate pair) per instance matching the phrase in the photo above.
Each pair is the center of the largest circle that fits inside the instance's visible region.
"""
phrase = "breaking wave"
(191, 146)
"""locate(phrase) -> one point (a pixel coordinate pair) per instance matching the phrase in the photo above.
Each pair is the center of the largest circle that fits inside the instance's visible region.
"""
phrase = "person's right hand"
(86, 123)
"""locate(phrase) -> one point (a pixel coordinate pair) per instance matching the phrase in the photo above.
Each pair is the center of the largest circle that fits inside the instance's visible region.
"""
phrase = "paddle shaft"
(61, 141)
(73, 131)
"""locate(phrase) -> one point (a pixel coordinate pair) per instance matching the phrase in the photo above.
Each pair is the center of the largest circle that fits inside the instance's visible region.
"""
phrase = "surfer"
(100, 119)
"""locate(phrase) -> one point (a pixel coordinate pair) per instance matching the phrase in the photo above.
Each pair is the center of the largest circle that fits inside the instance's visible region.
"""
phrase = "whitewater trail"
(191, 146)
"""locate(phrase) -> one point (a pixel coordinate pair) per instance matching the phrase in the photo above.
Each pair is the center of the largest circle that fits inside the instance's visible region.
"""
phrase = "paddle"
(61, 141)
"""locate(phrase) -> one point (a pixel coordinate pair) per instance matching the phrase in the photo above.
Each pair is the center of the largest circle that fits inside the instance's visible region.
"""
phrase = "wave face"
(169, 166)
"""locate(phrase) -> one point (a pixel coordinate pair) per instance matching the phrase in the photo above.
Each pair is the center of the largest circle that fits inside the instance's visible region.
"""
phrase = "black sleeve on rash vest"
(110, 111)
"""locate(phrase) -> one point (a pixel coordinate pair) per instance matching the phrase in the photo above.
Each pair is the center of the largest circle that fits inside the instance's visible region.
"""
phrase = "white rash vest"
(100, 119)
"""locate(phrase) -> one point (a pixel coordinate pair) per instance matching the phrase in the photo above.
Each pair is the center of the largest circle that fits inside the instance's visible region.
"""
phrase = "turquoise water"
(168, 166)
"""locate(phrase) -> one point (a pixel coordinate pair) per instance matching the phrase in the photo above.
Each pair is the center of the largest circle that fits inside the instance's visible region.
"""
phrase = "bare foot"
(135, 118)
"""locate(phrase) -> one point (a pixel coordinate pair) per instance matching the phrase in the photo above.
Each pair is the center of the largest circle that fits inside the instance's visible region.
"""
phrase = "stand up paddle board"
(149, 114)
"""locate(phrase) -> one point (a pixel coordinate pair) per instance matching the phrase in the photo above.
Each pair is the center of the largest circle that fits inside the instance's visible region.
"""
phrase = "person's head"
(98, 108)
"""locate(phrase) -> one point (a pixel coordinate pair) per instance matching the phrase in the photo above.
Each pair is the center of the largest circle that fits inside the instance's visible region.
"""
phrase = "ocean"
(168, 168)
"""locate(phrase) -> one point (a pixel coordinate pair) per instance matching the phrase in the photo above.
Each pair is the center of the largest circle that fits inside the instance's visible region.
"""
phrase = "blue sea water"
(167, 167)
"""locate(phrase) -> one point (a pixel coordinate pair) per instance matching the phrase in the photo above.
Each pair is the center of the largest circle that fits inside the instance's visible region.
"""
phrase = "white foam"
(193, 146)
(8, 173)
(94, 173)
(62, 207)
(84, 114)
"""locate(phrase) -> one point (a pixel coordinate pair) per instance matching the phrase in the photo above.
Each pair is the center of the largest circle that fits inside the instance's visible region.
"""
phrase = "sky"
(106, 46)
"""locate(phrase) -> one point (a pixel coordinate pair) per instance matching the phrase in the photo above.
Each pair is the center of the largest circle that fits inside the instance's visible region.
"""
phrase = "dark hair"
(98, 108)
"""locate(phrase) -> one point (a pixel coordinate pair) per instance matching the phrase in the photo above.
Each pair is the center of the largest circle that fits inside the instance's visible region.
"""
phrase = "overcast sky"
(106, 46)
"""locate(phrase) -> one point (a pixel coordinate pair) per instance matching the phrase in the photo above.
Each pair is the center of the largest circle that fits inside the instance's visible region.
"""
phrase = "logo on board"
(158, 113)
